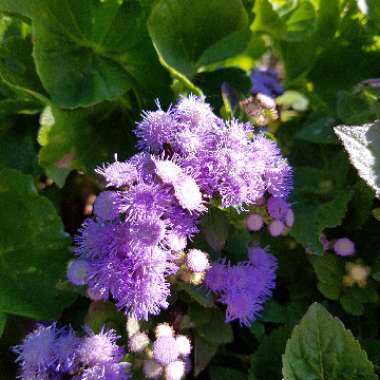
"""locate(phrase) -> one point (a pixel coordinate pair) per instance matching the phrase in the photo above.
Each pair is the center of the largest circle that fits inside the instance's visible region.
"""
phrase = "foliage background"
(75, 76)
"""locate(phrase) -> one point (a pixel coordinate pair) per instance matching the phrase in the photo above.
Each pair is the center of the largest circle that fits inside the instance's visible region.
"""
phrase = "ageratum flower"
(50, 353)
(189, 155)
(244, 288)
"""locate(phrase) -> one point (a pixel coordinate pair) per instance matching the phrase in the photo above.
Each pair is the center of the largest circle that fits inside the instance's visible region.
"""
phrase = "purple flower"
(119, 173)
(36, 353)
(266, 81)
(65, 349)
(246, 286)
(156, 129)
(278, 208)
(165, 350)
(77, 271)
(344, 247)
(99, 348)
(106, 206)
(197, 260)
(106, 371)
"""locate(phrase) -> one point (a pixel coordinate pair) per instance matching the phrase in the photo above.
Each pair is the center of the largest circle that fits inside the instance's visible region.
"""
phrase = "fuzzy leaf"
(204, 351)
(362, 142)
(321, 348)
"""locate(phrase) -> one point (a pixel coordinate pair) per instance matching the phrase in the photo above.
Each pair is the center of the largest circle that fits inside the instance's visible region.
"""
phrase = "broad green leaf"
(71, 141)
(301, 22)
(3, 321)
(354, 298)
(273, 312)
(18, 148)
(267, 20)
(198, 293)
(330, 271)
(362, 143)
(214, 227)
(237, 245)
(217, 330)
(90, 51)
(321, 348)
(312, 217)
(33, 250)
(319, 131)
(204, 351)
(190, 33)
(199, 315)
(17, 68)
(266, 361)
(225, 373)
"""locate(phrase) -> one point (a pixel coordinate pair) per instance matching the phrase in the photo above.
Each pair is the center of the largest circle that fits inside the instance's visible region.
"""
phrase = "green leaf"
(362, 142)
(330, 271)
(204, 351)
(33, 250)
(198, 293)
(321, 348)
(214, 226)
(267, 20)
(71, 141)
(237, 245)
(90, 51)
(217, 330)
(312, 217)
(301, 22)
(224, 373)
(293, 99)
(266, 361)
(354, 299)
(319, 131)
(17, 68)
(273, 312)
(190, 33)
(3, 321)
(199, 315)
(18, 149)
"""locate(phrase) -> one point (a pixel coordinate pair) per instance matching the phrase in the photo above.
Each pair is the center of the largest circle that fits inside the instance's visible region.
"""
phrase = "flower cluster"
(275, 212)
(168, 355)
(188, 156)
(244, 287)
(49, 352)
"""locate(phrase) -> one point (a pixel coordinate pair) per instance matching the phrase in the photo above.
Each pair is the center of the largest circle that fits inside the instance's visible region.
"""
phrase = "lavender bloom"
(246, 286)
(106, 205)
(36, 354)
(99, 348)
(344, 247)
(165, 350)
(266, 81)
(65, 349)
(278, 208)
(77, 271)
(189, 156)
(197, 261)
(106, 371)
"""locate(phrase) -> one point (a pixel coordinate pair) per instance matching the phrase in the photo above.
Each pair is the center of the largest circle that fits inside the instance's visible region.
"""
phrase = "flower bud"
(138, 342)
(276, 228)
(77, 271)
(254, 222)
(183, 345)
(344, 247)
(175, 370)
(163, 329)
